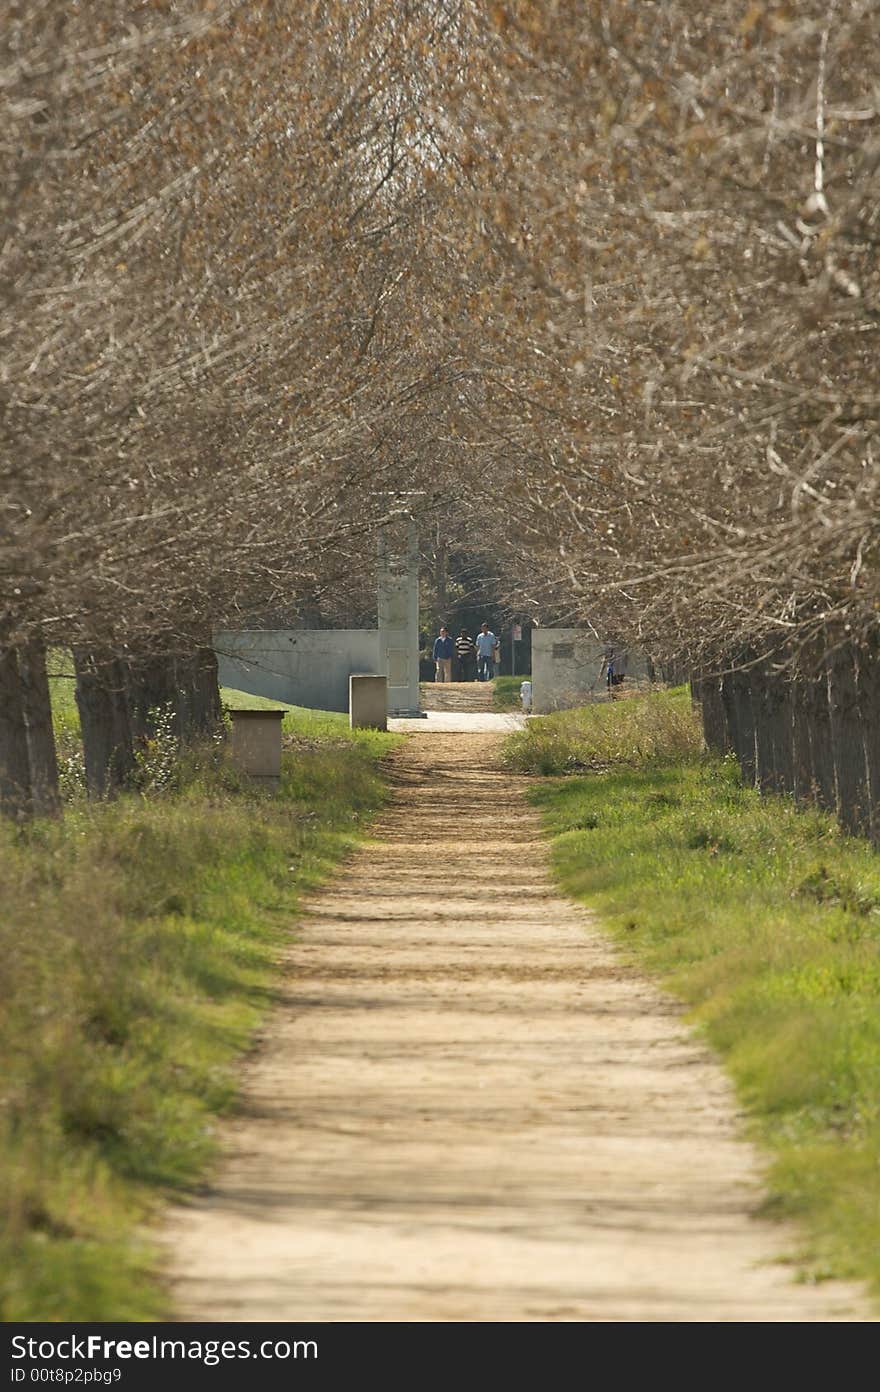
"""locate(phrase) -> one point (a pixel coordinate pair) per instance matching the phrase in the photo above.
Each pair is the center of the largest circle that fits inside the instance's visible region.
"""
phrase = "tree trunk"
(782, 712)
(815, 706)
(803, 778)
(152, 687)
(758, 685)
(696, 691)
(185, 699)
(714, 728)
(40, 733)
(15, 771)
(848, 750)
(207, 710)
(771, 708)
(732, 732)
(187, 686)
(741, 696)
(674, 671)
(106, 727)
(869, 713)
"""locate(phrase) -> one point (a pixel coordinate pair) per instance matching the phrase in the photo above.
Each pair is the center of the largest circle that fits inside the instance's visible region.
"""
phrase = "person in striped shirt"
(466, 656)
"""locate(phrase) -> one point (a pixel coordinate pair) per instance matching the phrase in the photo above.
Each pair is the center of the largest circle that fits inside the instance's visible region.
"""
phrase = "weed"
(828, 888)
(708, 839)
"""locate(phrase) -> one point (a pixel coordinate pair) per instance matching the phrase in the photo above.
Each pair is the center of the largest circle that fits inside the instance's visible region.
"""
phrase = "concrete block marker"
(368, 702)
(256, 745)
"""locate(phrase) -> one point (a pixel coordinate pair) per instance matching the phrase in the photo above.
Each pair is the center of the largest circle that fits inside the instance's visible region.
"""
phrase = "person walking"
(466, 656)
(443, 655)
(486, 644)
(614, 665)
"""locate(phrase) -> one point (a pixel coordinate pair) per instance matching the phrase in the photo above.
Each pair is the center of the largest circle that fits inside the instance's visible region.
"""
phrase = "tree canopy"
(595, 281)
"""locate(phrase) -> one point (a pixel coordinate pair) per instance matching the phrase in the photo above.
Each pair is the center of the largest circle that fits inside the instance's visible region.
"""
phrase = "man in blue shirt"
(443, 655)
(486, 644)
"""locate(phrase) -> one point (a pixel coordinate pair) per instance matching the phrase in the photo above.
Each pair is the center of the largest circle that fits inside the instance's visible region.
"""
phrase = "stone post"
(256, 745)
(368, 702)
(399, 622)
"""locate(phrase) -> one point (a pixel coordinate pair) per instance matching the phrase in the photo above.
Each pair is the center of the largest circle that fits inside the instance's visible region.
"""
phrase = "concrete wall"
(567, 669)
(304, 667)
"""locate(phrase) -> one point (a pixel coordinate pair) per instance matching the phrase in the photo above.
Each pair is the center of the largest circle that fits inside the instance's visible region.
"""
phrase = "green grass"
(302, 724)
(62, 684)
(633, 730)
(140, 943)
(298, 719)
(505, 694)
(765, 921)
(65, 719)
(160, 762)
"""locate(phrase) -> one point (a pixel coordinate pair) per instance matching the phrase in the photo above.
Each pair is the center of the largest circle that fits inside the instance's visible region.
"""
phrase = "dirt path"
(457, 696)
(465, 1108)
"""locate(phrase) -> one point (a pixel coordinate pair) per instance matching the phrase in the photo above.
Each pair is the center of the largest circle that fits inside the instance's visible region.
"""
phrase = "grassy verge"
(764, 920)
(634, 731)
(299, 720)
(140, 943)
(505, 693)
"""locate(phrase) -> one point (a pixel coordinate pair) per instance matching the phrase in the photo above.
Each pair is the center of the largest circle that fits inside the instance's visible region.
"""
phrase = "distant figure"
(443, 655)
(486, 645)
(466, 656)
(614, 665)
(525, 695)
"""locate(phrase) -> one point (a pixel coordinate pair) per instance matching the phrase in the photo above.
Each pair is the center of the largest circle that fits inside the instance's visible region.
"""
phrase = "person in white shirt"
(486, 644)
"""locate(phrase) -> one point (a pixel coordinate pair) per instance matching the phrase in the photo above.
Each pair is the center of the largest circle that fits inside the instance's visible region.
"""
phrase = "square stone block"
(256, 744)
(368, 702)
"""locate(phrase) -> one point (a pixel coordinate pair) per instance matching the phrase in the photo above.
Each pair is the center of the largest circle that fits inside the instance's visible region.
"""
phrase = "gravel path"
(466, 1108)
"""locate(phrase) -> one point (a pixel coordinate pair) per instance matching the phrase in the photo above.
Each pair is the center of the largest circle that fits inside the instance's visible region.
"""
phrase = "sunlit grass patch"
(505, 692)
(632, 731)
(297, 720)
(62, 690)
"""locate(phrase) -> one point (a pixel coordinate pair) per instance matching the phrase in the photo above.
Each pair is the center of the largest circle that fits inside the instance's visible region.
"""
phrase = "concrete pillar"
(256, 745)
(399, 620)
(368, 702)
